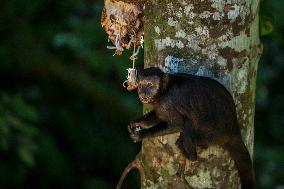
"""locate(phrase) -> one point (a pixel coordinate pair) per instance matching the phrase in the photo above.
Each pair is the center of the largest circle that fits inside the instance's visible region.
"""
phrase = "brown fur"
(200, 108)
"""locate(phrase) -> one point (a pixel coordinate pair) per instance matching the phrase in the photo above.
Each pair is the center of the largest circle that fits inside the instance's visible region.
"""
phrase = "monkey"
(200, 108)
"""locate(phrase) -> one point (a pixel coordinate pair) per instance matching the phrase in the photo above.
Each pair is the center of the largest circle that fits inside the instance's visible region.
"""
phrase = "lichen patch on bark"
(201, 180)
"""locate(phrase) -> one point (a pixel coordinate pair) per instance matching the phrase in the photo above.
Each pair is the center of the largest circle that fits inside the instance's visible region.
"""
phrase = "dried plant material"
(123, 19)
(118, 52)
(131, 82)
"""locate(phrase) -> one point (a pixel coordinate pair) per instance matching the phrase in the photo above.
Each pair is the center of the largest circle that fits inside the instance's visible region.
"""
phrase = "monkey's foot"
(190, 153)
(181, 167)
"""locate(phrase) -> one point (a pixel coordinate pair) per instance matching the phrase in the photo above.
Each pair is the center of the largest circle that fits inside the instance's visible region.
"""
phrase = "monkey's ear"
(139, 71)
(165, 82)
(166, 79)
(139, 68)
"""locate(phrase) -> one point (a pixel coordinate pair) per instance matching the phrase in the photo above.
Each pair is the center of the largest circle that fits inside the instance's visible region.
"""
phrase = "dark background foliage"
(63, 112)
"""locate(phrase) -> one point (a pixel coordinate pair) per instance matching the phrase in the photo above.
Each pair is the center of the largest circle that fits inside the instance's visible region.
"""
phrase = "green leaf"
(26, 155)
(266, 25)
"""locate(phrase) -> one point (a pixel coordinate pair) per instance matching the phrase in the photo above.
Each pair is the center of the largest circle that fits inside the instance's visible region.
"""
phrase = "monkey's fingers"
(129, 129)
(133, 127)
(135, 137)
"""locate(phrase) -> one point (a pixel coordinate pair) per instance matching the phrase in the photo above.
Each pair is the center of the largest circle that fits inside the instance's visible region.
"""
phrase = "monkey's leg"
(186, 144)
(187, 147)
(162, 128)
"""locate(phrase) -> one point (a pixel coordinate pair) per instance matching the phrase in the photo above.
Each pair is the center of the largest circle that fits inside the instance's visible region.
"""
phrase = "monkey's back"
(209, 112)
(206, 102)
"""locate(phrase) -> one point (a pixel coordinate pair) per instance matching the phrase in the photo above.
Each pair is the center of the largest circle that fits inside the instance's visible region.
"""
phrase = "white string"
(132, 72)
(133, 56)
(117, 40)
(135, 53)
(142, 41)
(117, 44)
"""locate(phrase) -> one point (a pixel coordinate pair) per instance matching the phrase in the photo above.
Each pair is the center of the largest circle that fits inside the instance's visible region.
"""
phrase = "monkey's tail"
(134, 164)
(241, 156)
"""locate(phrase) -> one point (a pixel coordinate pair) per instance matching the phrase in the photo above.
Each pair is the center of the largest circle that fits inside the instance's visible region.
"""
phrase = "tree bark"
(212, 38)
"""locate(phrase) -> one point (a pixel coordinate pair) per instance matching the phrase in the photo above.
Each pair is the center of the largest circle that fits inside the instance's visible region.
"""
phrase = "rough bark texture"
(213, 38)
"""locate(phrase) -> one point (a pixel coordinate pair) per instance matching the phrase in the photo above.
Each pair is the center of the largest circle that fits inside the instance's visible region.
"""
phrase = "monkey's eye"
(139, 85)
(149, 84)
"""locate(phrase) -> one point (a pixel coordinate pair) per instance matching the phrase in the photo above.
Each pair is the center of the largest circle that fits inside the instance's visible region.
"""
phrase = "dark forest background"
(63, 111)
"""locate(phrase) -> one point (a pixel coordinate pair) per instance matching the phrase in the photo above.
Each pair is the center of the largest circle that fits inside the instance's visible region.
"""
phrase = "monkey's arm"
(147, 120)
(162, 128)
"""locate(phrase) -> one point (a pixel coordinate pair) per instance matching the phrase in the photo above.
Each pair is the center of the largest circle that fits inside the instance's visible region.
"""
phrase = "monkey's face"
(148, 89)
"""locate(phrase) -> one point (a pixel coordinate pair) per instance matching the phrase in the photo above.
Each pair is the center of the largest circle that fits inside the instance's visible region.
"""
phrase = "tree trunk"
(212, 38)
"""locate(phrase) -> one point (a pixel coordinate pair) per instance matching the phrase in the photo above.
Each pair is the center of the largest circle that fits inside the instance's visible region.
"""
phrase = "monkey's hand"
(134, 129)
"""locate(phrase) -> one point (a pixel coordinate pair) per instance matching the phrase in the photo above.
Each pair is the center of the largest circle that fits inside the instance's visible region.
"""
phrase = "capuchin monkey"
(199, 108)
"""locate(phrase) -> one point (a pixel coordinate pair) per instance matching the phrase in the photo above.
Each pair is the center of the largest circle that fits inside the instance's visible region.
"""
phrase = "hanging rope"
(131, 79)
(131, 82)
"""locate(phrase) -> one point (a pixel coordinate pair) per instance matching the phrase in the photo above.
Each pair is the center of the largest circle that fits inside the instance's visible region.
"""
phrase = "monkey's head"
(150, 84)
